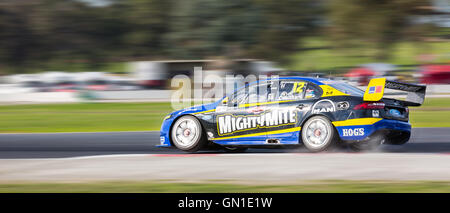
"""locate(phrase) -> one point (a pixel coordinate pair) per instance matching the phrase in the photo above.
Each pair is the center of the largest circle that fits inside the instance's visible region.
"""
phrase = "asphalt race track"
(58, 145)
(63, 157)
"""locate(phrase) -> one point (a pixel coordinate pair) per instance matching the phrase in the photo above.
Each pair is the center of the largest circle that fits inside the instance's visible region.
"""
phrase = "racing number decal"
(298, 87)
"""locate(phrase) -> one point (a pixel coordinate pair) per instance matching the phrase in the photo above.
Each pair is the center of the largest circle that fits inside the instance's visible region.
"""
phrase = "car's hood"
(196, 109)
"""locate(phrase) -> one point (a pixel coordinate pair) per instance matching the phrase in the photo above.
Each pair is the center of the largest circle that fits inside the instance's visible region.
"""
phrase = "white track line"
(181, 155)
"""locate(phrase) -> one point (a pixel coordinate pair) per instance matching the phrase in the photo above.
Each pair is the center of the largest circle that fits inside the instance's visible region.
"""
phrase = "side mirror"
(225, 101)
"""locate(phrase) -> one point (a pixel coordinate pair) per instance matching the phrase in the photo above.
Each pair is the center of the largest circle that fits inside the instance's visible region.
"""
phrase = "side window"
(252, 94)
(292, 90)
(312, 91)
(240, 96)
(258, 93)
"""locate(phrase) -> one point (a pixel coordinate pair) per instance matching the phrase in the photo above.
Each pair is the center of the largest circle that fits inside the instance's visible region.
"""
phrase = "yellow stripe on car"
(294, 129)
(350, 122)
(330, 91)
(357, 121)
(212, 110)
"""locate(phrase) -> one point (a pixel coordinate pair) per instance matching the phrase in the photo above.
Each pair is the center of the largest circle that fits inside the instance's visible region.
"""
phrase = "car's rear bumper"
(393, 131)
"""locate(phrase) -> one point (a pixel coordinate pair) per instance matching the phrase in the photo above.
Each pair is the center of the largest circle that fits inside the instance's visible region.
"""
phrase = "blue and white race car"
(290, 111)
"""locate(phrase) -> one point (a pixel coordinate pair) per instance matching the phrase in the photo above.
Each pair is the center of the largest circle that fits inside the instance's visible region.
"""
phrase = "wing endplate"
(375, 89)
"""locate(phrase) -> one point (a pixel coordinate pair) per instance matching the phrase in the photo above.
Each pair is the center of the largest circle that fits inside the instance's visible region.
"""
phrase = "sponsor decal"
(255, 110)
(401, 86)
(343, 105)
(323, 106)
(375, 113)
(375, 89)
(228, 124)
(162, 140)
(329, 92)
(353, 132)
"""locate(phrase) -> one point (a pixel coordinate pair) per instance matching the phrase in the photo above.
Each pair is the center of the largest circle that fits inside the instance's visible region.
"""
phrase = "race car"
(290, 111)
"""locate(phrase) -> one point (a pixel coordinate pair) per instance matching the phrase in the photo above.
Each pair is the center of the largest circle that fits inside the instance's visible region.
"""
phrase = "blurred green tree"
(54, 34)
(18, 42)
(285, 23)
(267, 29)
(376, 23)
(148, 24)
(205, 28)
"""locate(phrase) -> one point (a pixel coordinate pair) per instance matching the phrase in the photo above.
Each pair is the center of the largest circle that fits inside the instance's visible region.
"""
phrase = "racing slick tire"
(235, 149)
(318, 134)
(187, 134)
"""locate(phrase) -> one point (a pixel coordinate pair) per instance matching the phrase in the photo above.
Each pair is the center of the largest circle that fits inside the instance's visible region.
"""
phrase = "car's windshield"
(346, 88)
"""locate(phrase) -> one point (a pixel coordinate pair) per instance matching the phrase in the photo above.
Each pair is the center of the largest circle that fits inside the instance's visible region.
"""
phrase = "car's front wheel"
(318, 134)
(187, 134)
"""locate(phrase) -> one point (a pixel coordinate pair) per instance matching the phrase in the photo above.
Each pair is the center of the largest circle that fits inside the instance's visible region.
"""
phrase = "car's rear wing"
(375, 91)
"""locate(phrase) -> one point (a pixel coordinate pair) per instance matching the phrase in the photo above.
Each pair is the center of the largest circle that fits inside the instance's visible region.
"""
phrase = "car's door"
(238, 117)
(293, 99)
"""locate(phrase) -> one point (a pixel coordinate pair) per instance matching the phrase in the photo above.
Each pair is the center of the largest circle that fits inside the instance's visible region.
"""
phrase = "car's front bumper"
(164, 135)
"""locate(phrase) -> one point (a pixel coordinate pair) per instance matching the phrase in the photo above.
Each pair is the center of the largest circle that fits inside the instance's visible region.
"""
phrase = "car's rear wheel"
(187, 134)
(318, 134)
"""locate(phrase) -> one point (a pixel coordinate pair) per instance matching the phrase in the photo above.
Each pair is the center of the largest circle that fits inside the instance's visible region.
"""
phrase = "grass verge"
(83, 117)
(97, 117)
(158, 187)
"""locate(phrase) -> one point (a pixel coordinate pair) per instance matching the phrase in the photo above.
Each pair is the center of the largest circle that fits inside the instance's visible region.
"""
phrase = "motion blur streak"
(423, 140)
(82, 53)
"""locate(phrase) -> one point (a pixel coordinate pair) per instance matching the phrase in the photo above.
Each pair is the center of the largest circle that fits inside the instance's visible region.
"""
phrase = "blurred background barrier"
(433, 91)
(135, 96)
(39, 97)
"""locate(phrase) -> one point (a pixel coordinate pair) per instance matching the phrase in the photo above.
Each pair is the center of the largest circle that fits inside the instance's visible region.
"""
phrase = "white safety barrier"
(18, 97)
